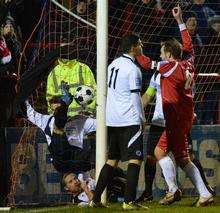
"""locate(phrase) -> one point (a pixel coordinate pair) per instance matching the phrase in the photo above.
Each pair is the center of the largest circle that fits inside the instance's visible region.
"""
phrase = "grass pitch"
(184, 206)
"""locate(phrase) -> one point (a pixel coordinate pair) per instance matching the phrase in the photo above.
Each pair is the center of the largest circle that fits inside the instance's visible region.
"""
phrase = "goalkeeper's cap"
(214, 19)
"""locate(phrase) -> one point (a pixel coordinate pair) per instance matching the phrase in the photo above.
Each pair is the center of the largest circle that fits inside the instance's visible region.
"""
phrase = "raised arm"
(36, 118)
(168, 64)
(186, 38)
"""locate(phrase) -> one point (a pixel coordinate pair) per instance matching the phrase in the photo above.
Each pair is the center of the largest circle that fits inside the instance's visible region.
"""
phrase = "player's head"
(71, 183)
(55, 102)
(131, 44)
(171, 49)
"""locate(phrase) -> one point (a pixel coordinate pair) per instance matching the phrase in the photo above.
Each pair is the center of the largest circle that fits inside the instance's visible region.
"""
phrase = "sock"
(201, 171)
(169, 173)
(132, 181)
(194, 175)
(105, 176)
(150, 171)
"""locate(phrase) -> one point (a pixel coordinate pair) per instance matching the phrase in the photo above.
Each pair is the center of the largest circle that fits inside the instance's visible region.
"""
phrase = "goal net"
(73, 23)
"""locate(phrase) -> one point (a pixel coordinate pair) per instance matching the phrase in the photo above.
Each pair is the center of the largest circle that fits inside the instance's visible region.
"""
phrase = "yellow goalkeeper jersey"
(75, 74)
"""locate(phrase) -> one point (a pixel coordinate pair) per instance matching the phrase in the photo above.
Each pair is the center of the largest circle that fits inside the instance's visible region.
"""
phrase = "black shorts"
(125, 143)
(153, 137)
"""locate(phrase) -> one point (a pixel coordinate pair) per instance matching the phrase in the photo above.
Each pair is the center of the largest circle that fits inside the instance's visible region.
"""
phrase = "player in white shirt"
(66, 150)
(124, 118)
(156, 128)
(78, 128)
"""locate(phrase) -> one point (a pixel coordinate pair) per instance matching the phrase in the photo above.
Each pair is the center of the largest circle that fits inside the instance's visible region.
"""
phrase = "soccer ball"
(84, 95)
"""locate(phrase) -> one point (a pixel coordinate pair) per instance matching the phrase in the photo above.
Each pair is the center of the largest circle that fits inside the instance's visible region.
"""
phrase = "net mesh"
(153, 21)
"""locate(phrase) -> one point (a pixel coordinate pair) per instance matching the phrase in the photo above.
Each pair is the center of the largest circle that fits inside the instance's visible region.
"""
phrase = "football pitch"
(184, 206)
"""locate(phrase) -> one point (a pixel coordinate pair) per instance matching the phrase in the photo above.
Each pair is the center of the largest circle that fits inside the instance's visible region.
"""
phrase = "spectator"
(203, 13)
(192, 26)
(11, 36)
(210, 84)
(81, 7)
(10, 53)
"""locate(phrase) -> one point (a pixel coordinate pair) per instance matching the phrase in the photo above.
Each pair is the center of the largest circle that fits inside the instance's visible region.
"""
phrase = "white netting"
(153, 21)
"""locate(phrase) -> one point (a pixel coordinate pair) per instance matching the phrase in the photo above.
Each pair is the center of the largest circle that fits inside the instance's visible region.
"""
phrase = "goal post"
(102, 60)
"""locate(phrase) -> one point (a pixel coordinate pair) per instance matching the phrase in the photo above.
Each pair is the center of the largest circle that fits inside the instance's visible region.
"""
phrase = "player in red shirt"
(176, 90)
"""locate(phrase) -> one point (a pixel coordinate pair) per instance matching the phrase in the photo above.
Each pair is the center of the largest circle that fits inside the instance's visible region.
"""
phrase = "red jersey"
(176, 85)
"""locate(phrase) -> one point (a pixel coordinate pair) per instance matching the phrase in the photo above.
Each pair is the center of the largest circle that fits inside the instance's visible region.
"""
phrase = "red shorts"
(175, 139)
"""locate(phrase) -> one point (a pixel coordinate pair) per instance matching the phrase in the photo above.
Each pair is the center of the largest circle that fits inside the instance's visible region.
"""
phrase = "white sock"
(169, 172)
(194, 175)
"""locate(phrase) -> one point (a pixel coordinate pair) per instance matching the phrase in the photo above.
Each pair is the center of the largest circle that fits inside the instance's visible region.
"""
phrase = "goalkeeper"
(65, 157)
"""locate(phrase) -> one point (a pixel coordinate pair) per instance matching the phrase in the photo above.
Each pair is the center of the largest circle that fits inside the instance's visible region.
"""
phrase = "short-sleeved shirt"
(158, 117)
(124, 77)
(77, 128)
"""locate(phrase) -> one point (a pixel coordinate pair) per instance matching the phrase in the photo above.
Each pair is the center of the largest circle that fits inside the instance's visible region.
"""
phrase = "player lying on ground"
(156, 129)
(81, 187)
(177, 99)
(65, 157)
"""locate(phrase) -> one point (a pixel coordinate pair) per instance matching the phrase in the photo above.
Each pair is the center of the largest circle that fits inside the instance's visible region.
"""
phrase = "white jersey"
(77, 128)
(40, 120)
(124, 77)
(82, 199)
(158, 117)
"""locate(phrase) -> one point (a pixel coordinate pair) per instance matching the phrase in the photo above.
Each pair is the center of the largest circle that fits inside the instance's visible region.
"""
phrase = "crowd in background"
(202, 19)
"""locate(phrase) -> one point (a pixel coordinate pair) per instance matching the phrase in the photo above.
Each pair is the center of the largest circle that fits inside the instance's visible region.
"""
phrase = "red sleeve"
(187, 43)
(144, 61)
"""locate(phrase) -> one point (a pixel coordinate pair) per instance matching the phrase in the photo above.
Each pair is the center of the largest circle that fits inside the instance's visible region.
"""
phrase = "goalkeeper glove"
(66, 96)
(144, 61)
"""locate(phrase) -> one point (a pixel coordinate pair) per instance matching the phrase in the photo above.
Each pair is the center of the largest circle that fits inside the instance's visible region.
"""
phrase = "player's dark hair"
(129, 41)
(174, 47)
